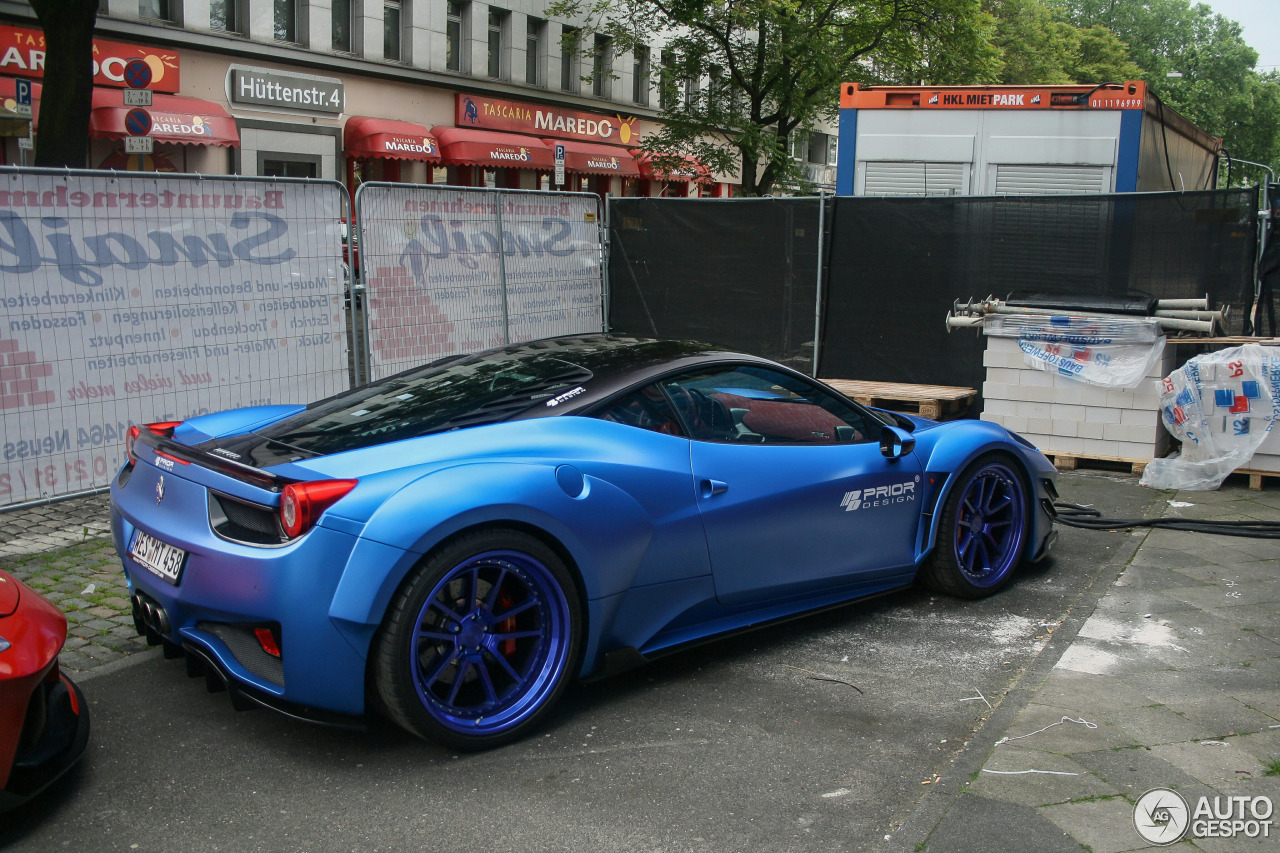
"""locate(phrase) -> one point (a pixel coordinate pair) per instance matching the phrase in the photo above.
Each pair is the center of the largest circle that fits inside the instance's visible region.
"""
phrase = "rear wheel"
(982, 533)
(480, 642)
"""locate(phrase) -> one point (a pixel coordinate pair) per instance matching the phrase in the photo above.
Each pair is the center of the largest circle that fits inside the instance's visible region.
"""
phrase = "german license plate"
(156, 556)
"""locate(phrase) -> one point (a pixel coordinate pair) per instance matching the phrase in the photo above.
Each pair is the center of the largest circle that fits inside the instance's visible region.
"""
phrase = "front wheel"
(982, 532)
(480, 642)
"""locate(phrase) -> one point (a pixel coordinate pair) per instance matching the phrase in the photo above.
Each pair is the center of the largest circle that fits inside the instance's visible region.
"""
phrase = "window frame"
(535, 34)
(497, 28)
(235, 17)
(570, 44)
(455, 13)
(640, 72)
(291, 30)
(396, 6)
(602, 66)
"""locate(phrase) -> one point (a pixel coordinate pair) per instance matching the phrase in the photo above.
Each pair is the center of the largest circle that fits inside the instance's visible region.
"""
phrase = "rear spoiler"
(237, 470)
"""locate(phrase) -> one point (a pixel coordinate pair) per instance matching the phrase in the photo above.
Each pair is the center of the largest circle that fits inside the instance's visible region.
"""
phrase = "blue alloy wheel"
(480, 641)
(490, 642)
(982, 532)
(991, 525)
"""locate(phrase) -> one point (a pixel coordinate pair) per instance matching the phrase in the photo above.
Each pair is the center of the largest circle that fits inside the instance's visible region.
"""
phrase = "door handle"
(711, 488)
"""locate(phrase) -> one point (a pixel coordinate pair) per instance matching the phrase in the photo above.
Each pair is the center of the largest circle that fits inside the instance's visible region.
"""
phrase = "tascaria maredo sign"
(538, 120)
(22, 55)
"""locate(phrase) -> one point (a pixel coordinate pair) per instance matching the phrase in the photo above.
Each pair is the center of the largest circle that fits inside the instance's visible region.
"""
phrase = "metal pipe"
(961, 322)
(1201, 304)
(1204, 327)
(1220, 316)
(817, 300)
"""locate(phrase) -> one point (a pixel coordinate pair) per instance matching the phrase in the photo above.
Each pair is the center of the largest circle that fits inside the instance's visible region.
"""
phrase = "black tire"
(480, 641)
(981, 539)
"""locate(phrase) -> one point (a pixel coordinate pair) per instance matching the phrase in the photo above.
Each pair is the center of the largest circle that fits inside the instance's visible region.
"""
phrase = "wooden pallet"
(936, 402)
(1072, 461)
(1255, 477)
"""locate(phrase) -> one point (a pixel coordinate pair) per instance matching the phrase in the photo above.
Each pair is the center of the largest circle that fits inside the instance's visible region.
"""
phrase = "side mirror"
(896, 442)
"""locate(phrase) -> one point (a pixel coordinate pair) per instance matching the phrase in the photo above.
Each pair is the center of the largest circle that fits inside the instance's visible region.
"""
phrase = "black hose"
(1087, 518)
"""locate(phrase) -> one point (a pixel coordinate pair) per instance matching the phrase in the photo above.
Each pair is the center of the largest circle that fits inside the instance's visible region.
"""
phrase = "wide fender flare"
(953, 451)
(604, 531)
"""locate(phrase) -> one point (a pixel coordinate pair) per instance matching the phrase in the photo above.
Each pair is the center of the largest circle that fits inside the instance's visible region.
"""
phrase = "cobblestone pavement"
(64, 552)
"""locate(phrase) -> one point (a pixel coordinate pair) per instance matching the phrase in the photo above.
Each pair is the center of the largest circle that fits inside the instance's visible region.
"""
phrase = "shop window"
(285, 20)
(602, 67)
(392, 30)
(229, 16)
(640, 76)
(453, 36)
(161, 10)
(497, 40)
(533, 50)
(568, 59)
(288, 166)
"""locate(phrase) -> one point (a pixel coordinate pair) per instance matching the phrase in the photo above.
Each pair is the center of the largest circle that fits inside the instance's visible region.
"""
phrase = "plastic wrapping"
(1115, 352)
(1087, 331)
(1221, 406)
(1109, 365)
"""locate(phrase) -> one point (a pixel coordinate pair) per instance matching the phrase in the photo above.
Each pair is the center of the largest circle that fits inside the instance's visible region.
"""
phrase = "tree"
(63, 136)
(1037, 48)
(738, 78)
(1218, 88)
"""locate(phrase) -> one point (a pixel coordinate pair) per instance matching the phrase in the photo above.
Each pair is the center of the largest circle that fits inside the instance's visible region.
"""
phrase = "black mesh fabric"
(738, 273)
(741, 273)
(897, 264)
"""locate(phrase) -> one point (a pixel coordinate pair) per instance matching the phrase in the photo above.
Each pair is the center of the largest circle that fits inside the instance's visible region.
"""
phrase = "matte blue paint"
(1129, 147)
(231, 422)
(661, 561)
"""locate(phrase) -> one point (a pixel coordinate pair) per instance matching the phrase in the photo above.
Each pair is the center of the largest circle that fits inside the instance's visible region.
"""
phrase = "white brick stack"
(1073, 418)
(1267, 456)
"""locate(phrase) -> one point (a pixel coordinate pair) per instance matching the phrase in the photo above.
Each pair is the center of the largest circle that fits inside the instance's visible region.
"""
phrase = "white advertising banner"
(451, 271)
(133, 299)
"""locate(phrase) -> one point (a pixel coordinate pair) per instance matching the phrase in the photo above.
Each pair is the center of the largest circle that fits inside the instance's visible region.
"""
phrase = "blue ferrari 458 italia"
(453, 544)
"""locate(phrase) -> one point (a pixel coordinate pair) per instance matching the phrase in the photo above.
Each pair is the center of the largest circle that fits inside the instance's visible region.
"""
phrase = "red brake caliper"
(508, 647)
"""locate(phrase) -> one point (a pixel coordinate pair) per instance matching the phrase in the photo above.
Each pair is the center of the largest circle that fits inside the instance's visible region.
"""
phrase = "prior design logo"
(878, 496)
(567, 395)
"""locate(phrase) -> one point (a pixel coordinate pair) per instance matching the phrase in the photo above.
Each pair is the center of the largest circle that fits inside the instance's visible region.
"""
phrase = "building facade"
(457, 92)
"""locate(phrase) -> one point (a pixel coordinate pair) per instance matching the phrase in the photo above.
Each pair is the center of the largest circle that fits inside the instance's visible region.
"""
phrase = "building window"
(497, 26)
(667, 81)
(818, 148)
(799, 145)
(341, 25)
(453, 36)
(286, 20)
(691, 92)
(640, 77)
(602, 67)
(568, 59)
(833, 149)
(391, 30)
(159, 9)
(533, 50)
(227, 15)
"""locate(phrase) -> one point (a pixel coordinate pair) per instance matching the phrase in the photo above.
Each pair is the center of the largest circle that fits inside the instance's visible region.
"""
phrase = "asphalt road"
(815, 735)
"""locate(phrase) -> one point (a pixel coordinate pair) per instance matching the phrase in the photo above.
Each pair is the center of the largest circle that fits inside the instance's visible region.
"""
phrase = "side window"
(758, 405)
(646, 409)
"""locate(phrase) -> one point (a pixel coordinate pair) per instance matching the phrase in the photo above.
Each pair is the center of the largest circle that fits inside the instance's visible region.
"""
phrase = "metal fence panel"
(142, 298)
(449, 270)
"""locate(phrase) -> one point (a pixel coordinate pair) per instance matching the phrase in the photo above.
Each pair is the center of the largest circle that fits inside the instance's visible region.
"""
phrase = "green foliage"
(1219, 90)
(739, 77)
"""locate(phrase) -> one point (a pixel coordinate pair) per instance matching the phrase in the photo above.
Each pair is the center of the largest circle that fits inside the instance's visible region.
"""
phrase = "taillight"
(301, 504)
(164, 428)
